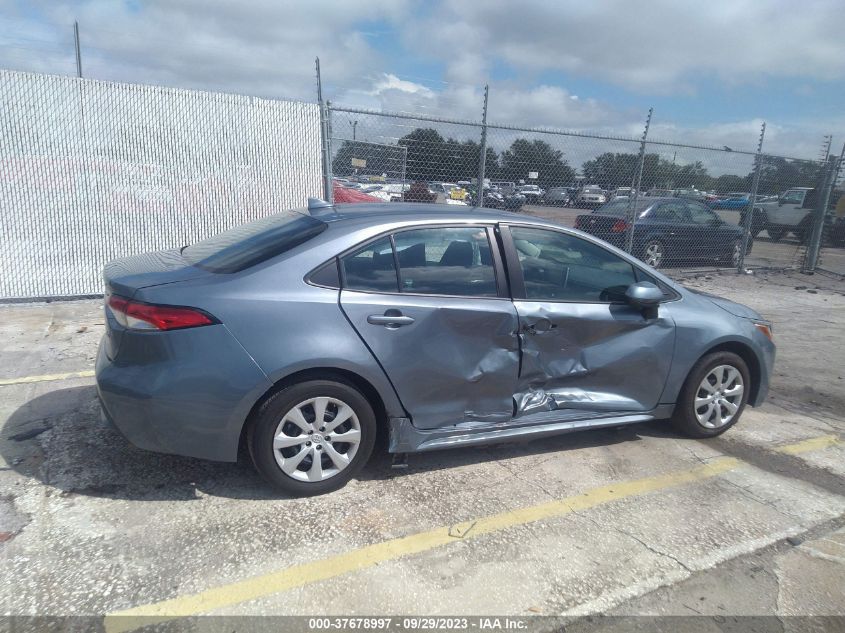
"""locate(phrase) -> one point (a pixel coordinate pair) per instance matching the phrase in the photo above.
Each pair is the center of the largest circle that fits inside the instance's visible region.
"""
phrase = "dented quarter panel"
(457, 362)
(592, 356)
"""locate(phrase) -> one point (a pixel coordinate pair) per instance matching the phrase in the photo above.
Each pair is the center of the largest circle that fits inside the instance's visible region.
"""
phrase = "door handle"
(392, 321)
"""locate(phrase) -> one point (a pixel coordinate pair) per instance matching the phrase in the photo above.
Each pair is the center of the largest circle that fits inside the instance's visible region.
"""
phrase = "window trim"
(502, 291)
(517, 282)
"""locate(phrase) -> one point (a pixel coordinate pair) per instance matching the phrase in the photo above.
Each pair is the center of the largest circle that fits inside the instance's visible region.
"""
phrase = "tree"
(427, 152)
(525, 156)
(611, 170)
(726, 183)
(778, 174)
(380, 159)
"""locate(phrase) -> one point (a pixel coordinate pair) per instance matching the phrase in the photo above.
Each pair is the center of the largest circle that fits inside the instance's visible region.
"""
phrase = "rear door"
(582, 346)
(670, 223)
(431, 304)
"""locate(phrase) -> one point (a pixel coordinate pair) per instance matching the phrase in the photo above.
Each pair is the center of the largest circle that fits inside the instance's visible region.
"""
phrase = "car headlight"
(766, 329)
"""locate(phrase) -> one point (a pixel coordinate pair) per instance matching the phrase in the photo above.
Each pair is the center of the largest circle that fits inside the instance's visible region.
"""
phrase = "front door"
(582, 346)
(431, 305)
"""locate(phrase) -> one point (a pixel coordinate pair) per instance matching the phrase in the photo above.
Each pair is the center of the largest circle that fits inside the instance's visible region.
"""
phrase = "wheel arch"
(319, 373)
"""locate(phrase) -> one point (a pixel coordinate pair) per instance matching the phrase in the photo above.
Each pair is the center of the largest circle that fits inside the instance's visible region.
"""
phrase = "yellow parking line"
(46, 377)
(813, 444)
(370, 555)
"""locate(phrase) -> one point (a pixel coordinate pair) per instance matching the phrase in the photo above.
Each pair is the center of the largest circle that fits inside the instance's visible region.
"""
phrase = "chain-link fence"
(91, 171)
(675, 205)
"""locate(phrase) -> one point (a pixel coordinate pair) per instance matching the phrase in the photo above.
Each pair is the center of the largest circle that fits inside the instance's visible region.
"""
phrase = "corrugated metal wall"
(93, 170)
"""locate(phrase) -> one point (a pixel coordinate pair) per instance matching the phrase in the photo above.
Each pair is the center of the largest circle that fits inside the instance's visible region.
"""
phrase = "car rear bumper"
(184, 392)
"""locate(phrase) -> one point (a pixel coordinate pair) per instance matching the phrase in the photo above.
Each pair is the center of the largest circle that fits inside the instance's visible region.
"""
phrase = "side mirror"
(644, 296)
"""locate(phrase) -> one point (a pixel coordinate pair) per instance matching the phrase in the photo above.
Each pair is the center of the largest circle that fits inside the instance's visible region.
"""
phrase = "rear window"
(252, 243)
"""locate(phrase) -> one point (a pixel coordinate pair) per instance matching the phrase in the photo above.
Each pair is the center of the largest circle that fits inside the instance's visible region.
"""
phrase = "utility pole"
(78, 52)
(482, 156)
(354, 128)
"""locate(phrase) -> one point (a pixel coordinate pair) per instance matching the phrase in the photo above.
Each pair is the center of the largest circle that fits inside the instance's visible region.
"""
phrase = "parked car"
(660, 193)
(667, 231)
(533, 193)
(590, 196)
(691, 194)
(736, 200)
(505, 186)
(621, 192)
(301, 334)
(558, 196)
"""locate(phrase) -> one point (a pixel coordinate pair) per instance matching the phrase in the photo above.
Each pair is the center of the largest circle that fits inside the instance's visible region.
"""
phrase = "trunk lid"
(127, 275)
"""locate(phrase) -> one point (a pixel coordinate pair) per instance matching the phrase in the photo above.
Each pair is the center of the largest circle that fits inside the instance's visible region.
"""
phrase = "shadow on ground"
(60, 439)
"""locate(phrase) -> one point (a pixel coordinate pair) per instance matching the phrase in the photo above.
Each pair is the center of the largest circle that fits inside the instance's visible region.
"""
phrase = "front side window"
(793, 197)
(561, 267)
(446, 261)
(371, 268)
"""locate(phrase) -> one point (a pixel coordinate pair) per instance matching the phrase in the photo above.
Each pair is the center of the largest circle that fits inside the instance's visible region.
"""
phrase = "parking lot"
(636, 520)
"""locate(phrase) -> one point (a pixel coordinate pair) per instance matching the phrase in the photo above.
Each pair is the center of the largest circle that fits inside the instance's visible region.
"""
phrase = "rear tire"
(708, 404)
(291, 451)
(775, 233)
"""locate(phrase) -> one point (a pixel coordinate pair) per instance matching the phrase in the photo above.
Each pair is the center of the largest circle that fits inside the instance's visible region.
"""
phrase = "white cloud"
(661, 45)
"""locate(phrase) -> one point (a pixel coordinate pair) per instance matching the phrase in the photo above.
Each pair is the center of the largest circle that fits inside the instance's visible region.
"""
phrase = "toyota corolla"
(301, 334)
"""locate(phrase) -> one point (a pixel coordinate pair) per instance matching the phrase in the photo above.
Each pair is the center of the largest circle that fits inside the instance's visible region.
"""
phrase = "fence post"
(752, 197)
(482, 156)
(78, 50)
(831, 173)
(632, 203)
(325, 147)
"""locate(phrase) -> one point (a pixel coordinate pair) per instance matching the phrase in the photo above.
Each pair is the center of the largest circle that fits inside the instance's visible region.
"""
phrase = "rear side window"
(371, 269)
(446, 261)
(252, 243)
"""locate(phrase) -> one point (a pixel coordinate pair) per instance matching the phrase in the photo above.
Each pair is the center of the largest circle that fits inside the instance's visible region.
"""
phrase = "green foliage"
(525, 156)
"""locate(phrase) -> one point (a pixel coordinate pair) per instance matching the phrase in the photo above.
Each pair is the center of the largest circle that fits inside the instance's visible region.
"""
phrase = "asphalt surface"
(636, 520)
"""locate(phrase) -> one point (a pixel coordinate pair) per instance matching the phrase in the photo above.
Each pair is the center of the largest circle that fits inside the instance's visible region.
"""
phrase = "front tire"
(713, 396)
(775, 233)
(312, 437)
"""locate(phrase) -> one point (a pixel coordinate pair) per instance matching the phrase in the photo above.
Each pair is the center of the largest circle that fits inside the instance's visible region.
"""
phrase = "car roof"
(382, 212)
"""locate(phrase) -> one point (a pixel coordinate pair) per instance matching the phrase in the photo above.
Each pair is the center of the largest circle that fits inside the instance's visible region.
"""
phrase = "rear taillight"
(148, 316)
(620, 226)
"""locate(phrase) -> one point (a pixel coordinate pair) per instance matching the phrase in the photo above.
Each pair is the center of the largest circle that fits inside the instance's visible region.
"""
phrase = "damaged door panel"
(453, 360)
(582, 346)
(594, 357)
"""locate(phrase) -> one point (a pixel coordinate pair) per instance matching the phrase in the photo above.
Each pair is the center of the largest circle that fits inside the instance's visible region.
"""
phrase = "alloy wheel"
(719, 396)
(317, 439)
(735, 254)
(653, 255)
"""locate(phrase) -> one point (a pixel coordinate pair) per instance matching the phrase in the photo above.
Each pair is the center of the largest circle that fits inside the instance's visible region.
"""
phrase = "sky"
(712, 70)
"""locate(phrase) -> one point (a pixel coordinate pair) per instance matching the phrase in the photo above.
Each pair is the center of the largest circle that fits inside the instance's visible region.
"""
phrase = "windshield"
(252, 243)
